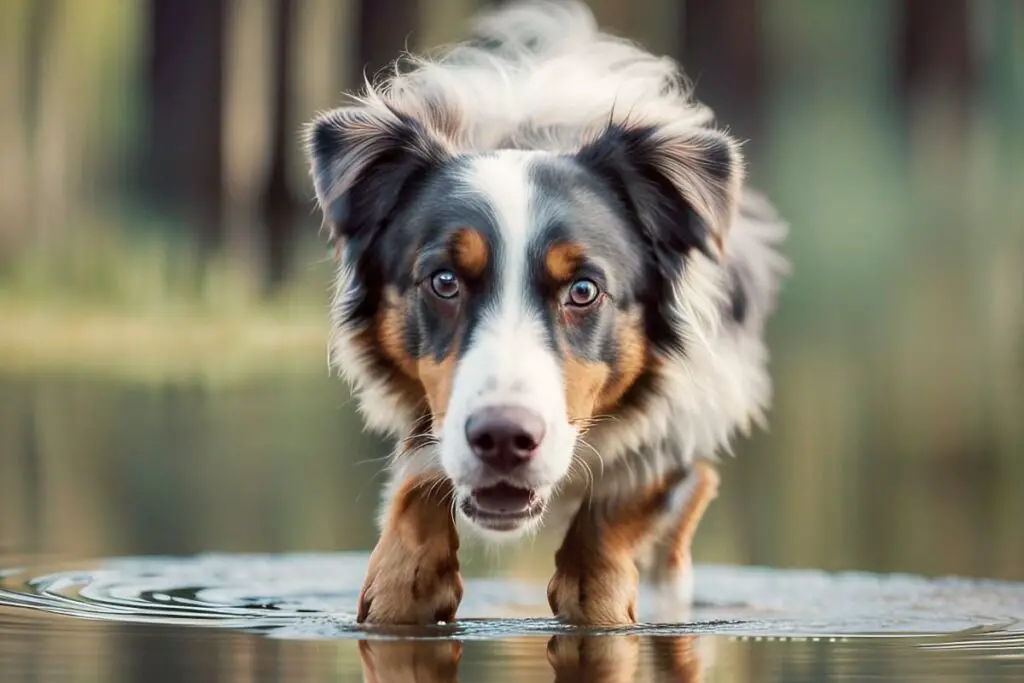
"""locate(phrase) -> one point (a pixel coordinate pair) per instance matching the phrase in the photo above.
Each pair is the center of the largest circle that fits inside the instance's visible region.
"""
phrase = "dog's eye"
(445, 284)
(583, 293)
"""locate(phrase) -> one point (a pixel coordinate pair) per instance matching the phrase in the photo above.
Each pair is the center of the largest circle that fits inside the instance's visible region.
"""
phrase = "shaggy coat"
(552, 290)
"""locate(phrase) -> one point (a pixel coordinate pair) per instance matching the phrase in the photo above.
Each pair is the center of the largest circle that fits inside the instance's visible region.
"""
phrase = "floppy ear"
(364, 160)
(683, 185)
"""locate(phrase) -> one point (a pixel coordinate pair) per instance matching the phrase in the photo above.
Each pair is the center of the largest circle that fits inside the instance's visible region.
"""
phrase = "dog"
(552, 290)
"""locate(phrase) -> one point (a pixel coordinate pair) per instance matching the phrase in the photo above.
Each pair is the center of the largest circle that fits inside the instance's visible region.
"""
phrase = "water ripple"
(313, 596)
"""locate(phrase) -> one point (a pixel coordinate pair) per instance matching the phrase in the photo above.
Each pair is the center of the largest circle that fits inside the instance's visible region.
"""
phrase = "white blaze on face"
(509, 362)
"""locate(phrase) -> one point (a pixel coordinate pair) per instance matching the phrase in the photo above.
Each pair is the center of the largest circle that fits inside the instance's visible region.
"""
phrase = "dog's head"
(496, 304)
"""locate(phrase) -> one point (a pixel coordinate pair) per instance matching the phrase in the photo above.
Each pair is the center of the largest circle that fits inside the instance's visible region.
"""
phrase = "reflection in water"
(93, 467)
(419, 661)
(573, 659)
(249, 619)
(142, 427)
(263, 618)
(616, 660)
(55, 652)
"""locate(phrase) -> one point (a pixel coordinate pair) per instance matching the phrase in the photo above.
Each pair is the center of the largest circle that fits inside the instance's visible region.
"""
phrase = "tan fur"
(470, 251)
(558, 85)
(596, 577)
(390, 335)
(583, 384)
(562, 260)
(413, 575)
(680, 540)
(437, 378)
(382, 341)
(432, 379)
(596, 388)
(631, 360)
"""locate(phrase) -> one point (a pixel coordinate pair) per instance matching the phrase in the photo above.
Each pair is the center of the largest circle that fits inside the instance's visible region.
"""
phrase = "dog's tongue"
(503, 498)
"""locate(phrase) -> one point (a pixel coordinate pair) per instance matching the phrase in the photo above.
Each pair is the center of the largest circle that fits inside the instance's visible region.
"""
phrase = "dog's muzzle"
(505, 439)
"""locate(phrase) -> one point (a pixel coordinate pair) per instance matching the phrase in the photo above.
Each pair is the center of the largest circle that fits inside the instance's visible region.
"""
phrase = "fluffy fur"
(548, 142)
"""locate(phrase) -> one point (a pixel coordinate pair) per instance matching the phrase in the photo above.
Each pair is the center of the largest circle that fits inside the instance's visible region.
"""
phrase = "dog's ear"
(681, 184)
(364, 160)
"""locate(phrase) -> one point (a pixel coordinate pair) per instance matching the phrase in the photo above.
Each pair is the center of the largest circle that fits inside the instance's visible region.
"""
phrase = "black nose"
(504, 437)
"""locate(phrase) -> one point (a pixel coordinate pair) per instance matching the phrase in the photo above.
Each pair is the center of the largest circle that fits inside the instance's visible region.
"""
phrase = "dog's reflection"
(608, 660)
(617, 659)
(574, 659)
(410, 661)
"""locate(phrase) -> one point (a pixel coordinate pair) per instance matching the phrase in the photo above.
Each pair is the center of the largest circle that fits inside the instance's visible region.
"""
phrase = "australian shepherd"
(552, 290)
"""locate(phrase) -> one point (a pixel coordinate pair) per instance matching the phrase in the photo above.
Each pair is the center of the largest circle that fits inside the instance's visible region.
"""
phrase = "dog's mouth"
(502, 507)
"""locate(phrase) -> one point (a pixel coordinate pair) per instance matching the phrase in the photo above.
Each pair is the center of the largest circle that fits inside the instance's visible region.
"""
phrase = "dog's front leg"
(670, 571)
(413, 577)
(596, 578)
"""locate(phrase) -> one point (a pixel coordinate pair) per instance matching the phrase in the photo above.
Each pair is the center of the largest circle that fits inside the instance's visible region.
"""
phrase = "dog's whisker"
(596, 452)
(590, 479)
(434, 327)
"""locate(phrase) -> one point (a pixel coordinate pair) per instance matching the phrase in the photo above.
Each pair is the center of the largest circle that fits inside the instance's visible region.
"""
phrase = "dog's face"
(512, 295)
(508, 299)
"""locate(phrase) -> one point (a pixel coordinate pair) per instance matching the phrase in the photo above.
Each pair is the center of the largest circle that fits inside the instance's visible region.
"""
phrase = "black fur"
(405, 157)
(738, 302)
(625, 159)
(576, 206)
(400, 215)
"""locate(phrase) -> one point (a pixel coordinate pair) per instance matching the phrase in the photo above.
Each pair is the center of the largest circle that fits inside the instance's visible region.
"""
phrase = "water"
(291, 616)
(896, 441)
(312, 596)
(236, 513)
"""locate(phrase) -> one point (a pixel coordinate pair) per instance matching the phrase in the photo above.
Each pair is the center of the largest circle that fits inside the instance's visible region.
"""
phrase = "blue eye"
(583, 293)
(445, 284)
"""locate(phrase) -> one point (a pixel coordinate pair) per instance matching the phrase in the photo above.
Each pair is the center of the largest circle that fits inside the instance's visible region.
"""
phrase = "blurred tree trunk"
(25, 189)
(936, 77)
(278, 202)
(383, 28)
(39, 33)
(722, 53)
(185, 105)
(936, 56)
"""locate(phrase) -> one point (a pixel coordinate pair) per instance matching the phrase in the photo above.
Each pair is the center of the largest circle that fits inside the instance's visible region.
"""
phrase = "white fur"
(556, 95)
(567, 86)
(509, 362)
(383, 410)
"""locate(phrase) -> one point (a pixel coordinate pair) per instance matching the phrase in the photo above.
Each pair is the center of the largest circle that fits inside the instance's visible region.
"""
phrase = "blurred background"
(163, 287)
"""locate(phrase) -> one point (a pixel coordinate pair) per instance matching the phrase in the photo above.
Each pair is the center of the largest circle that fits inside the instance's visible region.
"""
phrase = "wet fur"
(605, 134)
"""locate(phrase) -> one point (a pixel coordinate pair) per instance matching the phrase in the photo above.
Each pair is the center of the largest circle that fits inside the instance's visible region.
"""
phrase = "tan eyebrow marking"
(562, 260)
(469, 249)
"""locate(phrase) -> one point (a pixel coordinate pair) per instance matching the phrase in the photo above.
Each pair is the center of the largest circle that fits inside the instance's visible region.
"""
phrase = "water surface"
(281, 616)
(223, 505)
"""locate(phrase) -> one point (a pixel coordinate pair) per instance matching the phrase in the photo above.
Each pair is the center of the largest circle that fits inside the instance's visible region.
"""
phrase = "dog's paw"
(602, 593)
(410, 585)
